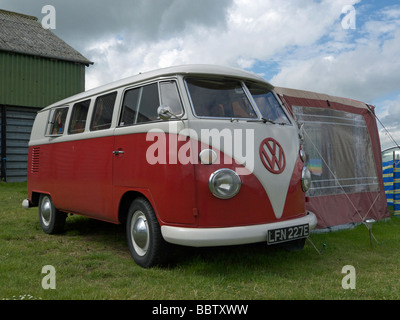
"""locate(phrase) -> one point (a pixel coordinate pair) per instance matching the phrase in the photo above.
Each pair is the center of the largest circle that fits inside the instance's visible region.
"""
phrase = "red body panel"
(172, 186)
(77, 175)
(85, 177)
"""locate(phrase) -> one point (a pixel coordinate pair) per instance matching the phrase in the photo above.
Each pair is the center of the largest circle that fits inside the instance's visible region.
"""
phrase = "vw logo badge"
(272, 156)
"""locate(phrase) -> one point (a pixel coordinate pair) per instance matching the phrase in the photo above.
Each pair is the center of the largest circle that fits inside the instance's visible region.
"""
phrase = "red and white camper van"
(193, 155)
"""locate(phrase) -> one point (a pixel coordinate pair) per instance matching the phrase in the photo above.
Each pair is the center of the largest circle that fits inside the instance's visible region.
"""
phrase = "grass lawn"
(92, 261)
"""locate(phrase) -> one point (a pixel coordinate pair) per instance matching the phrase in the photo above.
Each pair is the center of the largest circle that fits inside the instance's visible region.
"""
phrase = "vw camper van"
(193, 155)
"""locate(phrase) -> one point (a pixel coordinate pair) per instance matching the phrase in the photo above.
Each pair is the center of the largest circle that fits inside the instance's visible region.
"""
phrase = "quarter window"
(103, 112)
(78, 118)
(170, 96)
(57, 123)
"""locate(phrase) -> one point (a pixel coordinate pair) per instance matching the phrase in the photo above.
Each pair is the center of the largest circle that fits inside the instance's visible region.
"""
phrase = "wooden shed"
(37, 68)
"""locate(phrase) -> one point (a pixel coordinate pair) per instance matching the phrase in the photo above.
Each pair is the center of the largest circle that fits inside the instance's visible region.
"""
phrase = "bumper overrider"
(211, 237)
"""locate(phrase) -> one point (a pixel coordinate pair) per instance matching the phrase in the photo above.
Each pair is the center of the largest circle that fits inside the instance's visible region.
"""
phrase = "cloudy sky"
(316, 45)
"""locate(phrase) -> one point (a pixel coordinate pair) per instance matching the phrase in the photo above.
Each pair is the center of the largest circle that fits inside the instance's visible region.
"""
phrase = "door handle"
(117, 152)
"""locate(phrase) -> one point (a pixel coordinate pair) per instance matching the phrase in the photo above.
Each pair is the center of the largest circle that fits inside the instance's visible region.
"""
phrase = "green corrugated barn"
(36, 69)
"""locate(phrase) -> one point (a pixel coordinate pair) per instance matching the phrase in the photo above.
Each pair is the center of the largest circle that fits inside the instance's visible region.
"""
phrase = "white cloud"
(364, 70)
(246, 32)
(389, 116)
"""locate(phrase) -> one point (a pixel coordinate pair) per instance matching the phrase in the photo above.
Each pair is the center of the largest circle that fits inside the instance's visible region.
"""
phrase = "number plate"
(288, 234)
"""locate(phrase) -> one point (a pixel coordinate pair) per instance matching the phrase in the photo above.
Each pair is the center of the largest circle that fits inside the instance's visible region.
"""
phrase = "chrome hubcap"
(140, 233)
(45, 210)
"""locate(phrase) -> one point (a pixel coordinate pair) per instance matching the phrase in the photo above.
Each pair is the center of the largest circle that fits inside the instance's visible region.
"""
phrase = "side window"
(170, 96)
(140, 105)
(103, 112)
(57, 121)
(129, 107)
(78, 117)
(149, 104)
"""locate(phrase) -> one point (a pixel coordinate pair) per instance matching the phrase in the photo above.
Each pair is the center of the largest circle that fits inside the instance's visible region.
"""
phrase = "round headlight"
(306, 179)
(224, 183)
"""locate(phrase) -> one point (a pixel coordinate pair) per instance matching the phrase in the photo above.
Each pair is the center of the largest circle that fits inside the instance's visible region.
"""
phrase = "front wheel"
(146, 244)
(51, 220)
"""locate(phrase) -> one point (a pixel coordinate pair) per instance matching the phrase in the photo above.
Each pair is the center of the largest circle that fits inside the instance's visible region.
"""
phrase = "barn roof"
(24, 34)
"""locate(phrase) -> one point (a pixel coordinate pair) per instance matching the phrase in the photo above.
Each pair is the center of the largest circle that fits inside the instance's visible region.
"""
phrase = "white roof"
(195, 69)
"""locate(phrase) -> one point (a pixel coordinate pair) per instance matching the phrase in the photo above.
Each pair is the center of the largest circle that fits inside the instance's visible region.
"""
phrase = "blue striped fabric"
(388, 181)
(391, 181)
(396, 188)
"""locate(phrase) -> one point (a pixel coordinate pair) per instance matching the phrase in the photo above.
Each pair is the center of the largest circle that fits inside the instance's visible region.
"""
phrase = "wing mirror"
(164, 113)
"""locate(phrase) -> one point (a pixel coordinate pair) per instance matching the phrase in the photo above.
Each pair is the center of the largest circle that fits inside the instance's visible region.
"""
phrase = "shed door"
(15, 129)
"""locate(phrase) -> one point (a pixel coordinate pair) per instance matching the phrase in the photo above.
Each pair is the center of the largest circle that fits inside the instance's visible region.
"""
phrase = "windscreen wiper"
(265, 120)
